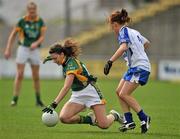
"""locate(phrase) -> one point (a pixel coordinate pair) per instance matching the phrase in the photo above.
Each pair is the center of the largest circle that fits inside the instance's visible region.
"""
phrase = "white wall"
(49, 70)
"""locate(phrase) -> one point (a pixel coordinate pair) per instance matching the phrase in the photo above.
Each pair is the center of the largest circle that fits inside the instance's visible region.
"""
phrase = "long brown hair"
(70, 48)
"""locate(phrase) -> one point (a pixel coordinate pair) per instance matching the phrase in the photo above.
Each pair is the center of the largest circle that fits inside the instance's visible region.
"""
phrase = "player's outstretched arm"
(67, 85)
(123, 47)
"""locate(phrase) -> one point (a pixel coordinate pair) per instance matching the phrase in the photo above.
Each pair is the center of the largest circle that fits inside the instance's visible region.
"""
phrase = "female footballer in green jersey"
(85, 92)
(31, 31)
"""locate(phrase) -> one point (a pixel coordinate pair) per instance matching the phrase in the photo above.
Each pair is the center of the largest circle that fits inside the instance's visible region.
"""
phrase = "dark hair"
(119, 17)
(56, 48)
(70, 48)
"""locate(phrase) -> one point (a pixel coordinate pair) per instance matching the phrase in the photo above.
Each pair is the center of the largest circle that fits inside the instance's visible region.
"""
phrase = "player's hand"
(107, 67)
(7, 54)
(34, 45)
(50, 108)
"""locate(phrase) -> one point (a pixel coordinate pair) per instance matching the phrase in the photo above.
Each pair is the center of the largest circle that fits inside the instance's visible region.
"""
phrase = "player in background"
(131, 48)
(31, 31)
(85, 93)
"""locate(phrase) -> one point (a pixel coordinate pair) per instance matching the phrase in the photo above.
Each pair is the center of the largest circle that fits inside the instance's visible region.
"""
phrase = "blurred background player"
(132, 45)
(31, 29)
(85, 92)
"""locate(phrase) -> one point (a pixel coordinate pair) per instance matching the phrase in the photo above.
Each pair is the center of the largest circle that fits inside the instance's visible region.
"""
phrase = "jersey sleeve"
(144, 40)
(123, 36)
(19, 24)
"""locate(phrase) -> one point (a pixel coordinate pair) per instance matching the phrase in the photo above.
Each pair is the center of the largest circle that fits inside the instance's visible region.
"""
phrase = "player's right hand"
(50, 108)
(107, 67)
(7, 54)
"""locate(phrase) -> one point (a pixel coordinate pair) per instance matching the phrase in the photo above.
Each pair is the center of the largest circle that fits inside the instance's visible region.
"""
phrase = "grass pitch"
(161, 100)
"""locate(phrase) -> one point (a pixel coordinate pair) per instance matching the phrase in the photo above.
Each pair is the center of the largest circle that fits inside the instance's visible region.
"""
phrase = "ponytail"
(71, 48)
(119, 17)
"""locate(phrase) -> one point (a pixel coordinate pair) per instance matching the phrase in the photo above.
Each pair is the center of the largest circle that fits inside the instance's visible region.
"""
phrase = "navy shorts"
(137, 75)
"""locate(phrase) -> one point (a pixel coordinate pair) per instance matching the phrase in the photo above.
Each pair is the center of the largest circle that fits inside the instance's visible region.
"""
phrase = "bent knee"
(122, 96)
(36, 79)
(117, 92)
(20, 75)
(63, 119)
(103, 125)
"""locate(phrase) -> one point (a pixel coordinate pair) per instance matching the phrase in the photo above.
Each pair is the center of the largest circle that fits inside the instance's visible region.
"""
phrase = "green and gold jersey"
(76, 67)
(29, 31)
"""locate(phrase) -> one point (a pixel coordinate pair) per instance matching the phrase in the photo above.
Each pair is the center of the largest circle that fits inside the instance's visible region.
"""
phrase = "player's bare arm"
(11, 39)
(67, 85)
(123, 47)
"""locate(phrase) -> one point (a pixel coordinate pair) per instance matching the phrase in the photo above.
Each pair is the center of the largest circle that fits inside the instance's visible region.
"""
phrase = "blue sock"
(128, 117)
(142, 116)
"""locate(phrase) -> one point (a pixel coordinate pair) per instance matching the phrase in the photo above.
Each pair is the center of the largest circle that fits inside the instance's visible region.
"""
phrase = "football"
(49, 119)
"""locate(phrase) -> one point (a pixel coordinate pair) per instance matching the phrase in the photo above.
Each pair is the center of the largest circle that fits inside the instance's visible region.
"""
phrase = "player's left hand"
(50, 108)
(107, 67)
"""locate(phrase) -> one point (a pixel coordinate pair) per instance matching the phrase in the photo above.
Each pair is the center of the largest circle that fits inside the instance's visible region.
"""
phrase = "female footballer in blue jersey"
(131, 47)
(85, 92)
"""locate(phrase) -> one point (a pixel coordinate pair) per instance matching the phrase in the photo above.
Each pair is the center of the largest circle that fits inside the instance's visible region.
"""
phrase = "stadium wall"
(162, 30)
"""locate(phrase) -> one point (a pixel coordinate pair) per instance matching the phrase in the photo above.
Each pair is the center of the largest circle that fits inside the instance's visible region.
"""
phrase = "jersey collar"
(122, 27)
(28, 19)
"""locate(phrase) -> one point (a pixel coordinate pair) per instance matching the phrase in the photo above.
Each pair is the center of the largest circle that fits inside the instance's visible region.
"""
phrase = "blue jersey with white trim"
(135, 56)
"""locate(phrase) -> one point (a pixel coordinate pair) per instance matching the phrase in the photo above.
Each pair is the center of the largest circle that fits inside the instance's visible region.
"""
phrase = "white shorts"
(87, 97)
(24, 54)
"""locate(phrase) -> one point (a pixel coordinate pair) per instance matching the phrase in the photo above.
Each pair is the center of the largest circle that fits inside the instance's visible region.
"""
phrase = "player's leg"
(125, 107)
(35, 76)
(95, 100)
(21, 58)
(69, 113)
(17, 83)
(104, 121)
(34, 59)
(128, 123)
(36, 82)
(125, 94)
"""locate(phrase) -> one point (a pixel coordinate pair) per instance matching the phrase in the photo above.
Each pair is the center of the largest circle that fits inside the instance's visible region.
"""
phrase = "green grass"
(161, 100)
